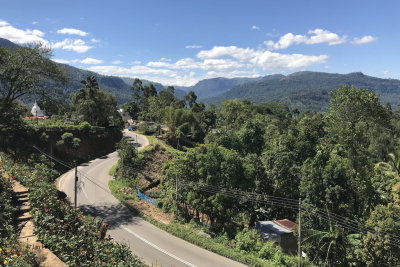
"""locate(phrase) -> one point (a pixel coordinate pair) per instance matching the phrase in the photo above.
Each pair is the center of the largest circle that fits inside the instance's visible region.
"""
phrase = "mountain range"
(302, 90)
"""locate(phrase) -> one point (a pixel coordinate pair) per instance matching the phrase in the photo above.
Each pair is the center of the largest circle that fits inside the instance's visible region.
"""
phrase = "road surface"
(152, 244)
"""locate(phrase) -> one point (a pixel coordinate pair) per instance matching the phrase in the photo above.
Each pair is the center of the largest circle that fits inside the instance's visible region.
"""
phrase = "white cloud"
(317, 36)
(324, 36)
(364, 39)
(116, 62)
(136, 62)
(91, 61)
(242, 54)
(20, 36)
(190, 63)
(385, 72)
(62, 61)
(34, 22)
(134, 70)
(254, 27)
(77, 45)
(165, 59)
(72, 31)
(193, 46)
(35, 32)
(268, 60)
(94, 40)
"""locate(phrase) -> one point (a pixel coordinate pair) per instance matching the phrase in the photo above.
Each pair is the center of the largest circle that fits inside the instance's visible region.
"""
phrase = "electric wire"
(54, 158)
(293, 204)
(263, 199)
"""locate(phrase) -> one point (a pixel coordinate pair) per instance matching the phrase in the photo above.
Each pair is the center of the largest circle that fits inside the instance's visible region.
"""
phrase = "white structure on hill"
(36, 111)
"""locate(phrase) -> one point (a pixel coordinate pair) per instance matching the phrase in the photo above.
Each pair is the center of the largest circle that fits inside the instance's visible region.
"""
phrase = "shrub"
(67, 138)
(70, 235)
(248, 240)
(86, 127)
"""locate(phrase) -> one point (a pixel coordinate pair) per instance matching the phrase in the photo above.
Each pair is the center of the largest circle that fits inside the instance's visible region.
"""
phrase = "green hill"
(309, 90)
(213, 87)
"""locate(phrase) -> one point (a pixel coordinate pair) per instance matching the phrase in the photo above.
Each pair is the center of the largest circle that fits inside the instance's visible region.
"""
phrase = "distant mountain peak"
(309, 90)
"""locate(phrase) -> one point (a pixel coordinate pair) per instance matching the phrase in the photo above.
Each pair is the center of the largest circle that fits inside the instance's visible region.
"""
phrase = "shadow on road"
(114, 215)
(137, 145)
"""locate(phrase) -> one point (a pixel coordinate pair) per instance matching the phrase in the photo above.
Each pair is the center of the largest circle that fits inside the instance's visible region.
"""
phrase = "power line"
(291, 204)
(261, 199)
(54, 158)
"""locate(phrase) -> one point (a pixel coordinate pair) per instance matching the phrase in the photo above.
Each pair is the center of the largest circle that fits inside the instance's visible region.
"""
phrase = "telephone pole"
(176, 195)
(299, 241)
(122, 165)
(76, 185)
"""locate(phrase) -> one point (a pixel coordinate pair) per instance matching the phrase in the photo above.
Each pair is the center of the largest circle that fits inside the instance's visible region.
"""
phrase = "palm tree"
(331, 245)
(91, 84)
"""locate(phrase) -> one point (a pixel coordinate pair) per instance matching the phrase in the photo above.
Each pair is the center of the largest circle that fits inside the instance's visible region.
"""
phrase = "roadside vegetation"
(12, 252)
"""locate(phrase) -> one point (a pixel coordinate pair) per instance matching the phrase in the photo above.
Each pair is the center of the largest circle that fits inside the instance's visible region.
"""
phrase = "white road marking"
(158, 248)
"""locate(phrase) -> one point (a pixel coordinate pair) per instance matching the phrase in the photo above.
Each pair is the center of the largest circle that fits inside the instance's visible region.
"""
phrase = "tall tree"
(94, 105)
(24, 71)
(190, 98)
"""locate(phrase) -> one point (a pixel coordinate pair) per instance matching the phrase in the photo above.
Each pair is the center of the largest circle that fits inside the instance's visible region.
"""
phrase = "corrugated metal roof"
(273, 229)
(287, 224)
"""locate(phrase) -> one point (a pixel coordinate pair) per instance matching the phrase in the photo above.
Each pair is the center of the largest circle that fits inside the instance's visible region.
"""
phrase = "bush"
(67, 138)
(248, 240)
(147, 129)
(75, 142)
(74, 238)
(86, 127)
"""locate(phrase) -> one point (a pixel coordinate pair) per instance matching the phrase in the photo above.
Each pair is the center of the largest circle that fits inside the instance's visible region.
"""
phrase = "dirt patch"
(151, 211)
(150, 177)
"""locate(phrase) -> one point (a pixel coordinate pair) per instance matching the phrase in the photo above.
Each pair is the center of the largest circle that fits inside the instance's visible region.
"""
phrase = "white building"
(36, 111)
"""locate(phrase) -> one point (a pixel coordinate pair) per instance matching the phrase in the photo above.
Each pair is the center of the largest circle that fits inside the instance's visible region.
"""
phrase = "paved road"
(153, 245)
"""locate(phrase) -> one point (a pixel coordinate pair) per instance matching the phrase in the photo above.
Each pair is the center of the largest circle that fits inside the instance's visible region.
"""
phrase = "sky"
(180, 42)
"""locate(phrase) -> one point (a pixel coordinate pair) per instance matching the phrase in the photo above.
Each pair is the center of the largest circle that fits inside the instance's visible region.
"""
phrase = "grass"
(184, 233)
(170, 149)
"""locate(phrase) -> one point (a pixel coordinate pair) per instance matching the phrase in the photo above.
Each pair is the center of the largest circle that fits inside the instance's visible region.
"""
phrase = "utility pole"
(299, 241)
(176, 195)
(51, 154)
(76, 184)
(122, 165)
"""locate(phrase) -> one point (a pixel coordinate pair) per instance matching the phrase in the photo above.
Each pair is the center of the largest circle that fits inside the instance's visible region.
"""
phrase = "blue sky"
(183, 41)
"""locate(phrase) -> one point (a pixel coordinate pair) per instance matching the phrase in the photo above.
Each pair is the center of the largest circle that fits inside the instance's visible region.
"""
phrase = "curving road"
(152, 244)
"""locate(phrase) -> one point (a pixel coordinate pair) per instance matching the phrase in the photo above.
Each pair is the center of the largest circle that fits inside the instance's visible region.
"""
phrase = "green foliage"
(129, 161)
(86, 127)
(67, 138)
(74, 238)
(377, 248)
(219, 244)
(24, 71)
(95, 106)
(15, 133)
(306, 90)
(12, 252)
(249, 240)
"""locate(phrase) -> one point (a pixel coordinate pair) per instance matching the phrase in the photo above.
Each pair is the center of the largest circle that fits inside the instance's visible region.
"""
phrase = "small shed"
(279, 232)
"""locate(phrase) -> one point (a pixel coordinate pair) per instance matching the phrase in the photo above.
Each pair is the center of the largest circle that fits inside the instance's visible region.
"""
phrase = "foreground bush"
(12, 252)
(74, 238)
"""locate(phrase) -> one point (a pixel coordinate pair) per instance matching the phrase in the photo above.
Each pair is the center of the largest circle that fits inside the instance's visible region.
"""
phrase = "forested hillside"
(211, 87)
(309, 90)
